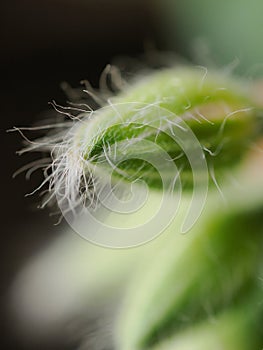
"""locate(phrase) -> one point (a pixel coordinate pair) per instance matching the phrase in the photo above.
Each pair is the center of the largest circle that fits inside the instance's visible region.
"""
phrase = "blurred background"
(46, 42)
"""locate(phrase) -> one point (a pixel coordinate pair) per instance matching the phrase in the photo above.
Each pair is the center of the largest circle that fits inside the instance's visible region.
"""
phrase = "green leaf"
(199, 274)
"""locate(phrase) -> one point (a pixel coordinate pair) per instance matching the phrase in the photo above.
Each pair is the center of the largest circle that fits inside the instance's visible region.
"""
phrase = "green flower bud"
(173, 129)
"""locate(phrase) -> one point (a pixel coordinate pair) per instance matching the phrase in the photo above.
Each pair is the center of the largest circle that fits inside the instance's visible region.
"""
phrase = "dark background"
(45, 42)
